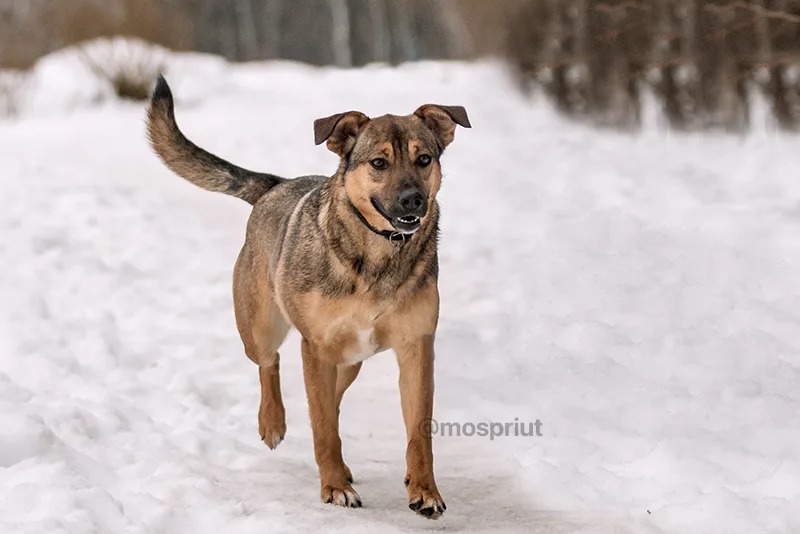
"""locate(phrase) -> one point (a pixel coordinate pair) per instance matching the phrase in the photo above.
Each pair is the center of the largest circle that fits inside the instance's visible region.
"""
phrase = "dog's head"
(392, 170)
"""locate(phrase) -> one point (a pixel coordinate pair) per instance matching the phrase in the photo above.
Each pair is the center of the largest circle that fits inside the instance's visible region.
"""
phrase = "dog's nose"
(411, 200)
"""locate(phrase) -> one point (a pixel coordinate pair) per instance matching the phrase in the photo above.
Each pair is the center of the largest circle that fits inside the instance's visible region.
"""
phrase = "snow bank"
(78, 77)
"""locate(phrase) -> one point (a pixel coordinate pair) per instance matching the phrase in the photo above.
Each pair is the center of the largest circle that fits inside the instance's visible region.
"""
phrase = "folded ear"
(442, 120)
(339, 130)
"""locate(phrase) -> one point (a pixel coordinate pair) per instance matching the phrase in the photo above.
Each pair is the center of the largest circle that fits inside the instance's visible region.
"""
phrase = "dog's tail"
(191, 162)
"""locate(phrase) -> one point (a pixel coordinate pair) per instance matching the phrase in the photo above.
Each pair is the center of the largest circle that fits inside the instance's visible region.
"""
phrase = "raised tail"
(191, 162)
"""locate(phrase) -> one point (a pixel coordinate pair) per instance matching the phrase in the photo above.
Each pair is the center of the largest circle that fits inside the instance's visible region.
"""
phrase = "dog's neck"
(395, 237)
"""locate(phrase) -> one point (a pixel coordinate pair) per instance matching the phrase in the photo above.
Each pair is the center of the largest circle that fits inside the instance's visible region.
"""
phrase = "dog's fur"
(331, 257)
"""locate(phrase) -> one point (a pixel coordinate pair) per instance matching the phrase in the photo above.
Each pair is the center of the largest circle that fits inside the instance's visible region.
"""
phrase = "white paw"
(341, 496)
(273, 439)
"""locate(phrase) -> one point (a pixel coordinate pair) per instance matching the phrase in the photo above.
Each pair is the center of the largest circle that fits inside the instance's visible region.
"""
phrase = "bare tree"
(340, 13)
(701, 57)
(270, 18)
(593, 58)
(380, 33)
(245, 21)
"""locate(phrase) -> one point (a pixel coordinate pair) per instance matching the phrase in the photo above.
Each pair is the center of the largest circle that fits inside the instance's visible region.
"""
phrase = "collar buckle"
(397, 238)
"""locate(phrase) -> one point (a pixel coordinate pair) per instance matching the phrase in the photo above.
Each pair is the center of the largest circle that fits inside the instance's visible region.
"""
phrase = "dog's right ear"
(340, 131)
(442, 121)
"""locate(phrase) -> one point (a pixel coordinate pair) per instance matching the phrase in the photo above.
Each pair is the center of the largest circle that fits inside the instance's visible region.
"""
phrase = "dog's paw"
(272, 439)
(271, 432)
(424, 499)
(344, 496)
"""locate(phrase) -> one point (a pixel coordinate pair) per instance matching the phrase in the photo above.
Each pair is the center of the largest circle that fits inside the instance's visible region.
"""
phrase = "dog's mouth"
(405, 224)
(408, 219)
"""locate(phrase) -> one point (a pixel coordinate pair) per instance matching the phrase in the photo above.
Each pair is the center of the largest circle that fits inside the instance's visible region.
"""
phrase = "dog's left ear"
(340, 131)
(442, 120)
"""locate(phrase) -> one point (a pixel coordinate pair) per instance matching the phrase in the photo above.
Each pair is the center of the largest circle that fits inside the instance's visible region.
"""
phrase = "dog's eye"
(378, 163)
(424, 160)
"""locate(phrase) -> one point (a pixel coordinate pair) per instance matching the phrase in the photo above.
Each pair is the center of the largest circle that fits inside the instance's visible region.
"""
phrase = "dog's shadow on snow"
(489, 503)
(474, 504)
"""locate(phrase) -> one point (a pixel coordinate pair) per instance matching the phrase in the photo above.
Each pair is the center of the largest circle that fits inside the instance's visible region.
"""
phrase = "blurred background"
(706, 63)
(620, 255)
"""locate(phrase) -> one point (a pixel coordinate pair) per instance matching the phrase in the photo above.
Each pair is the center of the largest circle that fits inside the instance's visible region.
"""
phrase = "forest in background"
(706, 61)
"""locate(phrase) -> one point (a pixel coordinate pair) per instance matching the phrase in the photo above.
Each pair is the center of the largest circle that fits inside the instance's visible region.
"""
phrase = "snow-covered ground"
(640, 295)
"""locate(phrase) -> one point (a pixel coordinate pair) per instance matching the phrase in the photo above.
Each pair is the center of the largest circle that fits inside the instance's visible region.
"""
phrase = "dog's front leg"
(416, 394)
(320, 379)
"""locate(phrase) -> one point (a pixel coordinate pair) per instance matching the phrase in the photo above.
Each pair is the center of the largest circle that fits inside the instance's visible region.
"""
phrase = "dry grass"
(131, 66)
(11, 86)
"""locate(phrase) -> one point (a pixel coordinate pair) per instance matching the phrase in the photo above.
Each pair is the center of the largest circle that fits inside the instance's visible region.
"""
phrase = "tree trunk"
(380, 35)
(248, 41)
(271, 28)
(340, 13)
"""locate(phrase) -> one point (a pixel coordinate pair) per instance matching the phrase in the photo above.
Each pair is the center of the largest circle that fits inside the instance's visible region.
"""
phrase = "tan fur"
(359, 188)
(312, 263)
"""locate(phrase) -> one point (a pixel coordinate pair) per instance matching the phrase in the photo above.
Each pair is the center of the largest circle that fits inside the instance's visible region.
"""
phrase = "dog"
(350, 261)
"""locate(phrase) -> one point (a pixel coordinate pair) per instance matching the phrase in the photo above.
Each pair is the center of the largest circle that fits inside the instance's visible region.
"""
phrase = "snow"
(59, 83)
(638, 294)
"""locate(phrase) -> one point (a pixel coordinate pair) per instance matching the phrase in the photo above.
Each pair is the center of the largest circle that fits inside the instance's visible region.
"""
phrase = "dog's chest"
(348, 331)
(362, 346)
(355, 337)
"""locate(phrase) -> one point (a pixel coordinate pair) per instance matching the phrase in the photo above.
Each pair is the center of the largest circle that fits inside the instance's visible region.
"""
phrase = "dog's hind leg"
(269, 331)
(262, 328)
(345, 376)
(271, 414)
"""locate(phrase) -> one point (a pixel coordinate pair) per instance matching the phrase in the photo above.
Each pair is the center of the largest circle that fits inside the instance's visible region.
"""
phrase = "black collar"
(395, 238)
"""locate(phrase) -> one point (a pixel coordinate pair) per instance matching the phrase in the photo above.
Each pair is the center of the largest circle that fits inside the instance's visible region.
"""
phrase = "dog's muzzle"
(411, 220)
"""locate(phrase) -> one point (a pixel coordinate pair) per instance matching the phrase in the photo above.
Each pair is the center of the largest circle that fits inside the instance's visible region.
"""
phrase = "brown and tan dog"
(350, 261)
